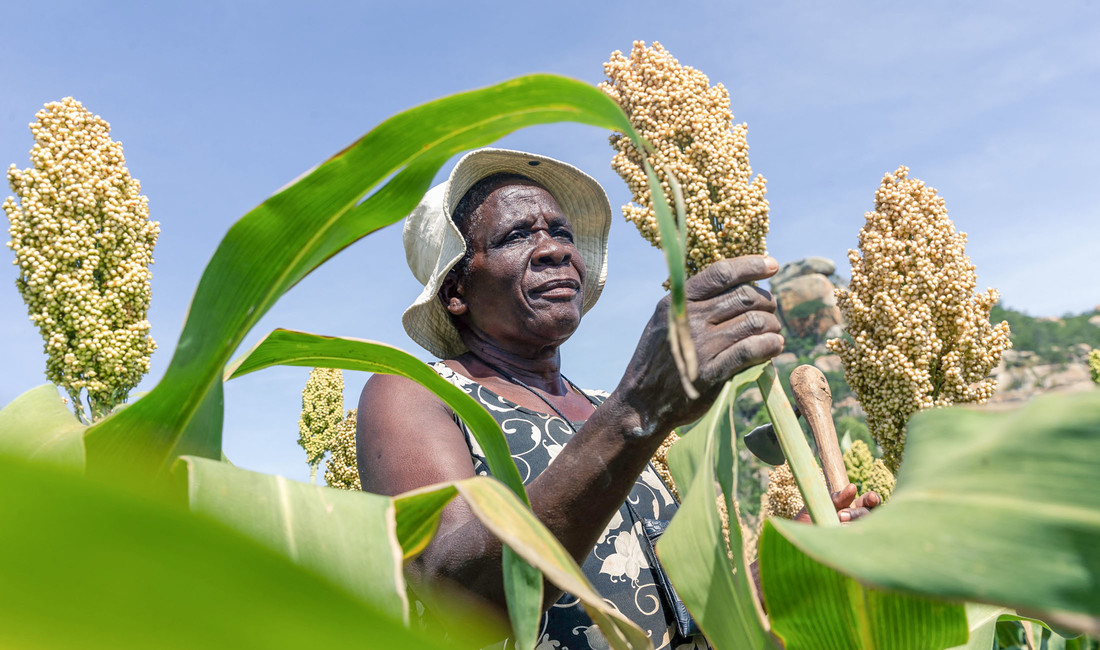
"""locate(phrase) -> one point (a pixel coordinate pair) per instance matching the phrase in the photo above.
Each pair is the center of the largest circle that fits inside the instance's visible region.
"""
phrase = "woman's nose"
(551, 251)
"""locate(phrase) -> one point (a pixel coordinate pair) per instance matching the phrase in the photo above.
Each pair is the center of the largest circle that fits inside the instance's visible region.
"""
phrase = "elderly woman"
(511, 251)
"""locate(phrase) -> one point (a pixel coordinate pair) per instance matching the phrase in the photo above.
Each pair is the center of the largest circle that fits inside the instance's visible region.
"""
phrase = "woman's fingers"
(845, 497)
(868, 500)
(744, 354)
(741, 299)
(848, 507)
(725, 274)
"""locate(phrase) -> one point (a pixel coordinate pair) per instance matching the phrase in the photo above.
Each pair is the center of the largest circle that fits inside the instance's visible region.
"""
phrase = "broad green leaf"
(814, 607)
(290, 348)
(717, 590)
(38, 426)
(523, 583)
(349, 538)
(282, 240)
(88, 565)
(518, 528)
(996, 507)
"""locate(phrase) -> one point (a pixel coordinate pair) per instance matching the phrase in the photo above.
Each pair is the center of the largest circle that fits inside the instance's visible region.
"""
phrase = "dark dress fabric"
(617, 566)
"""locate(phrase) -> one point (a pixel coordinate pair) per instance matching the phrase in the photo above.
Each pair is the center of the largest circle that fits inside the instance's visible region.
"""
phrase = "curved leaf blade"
(417, 515)
(349, 538)
(997, 507)
(289, 348)
(498, 509)
(287, 236)
(523, 583)
(717, 590)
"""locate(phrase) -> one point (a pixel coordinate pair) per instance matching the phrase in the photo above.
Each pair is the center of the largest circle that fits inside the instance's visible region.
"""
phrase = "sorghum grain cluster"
(83, 242)
(920, 337)
(867, 472)
(691, 128)
(340, 468)
(322, 413)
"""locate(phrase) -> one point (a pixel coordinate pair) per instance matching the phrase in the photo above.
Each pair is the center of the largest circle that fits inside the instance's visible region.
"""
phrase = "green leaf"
(997, 507)
(349, 538)
(282, 240)
(38, 426)
(717, 591)
(88, 565)
(507, 518)
(418, 515)
(815, 607)
(290, 348)
(523, 583)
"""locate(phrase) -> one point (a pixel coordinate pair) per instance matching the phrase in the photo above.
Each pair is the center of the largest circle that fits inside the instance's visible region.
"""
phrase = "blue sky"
(219, 104)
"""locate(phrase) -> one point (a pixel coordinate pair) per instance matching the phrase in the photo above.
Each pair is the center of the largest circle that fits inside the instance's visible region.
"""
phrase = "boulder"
(829, 363)
(786, 359)
(849, 406)
(807, 304)
(808, 266)
(751, 397)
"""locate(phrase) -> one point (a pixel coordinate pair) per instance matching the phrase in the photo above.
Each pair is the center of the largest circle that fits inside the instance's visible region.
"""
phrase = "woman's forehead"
(516, 200)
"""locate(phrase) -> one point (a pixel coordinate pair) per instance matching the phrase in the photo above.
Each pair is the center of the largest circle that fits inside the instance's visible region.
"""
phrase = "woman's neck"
(539, 369)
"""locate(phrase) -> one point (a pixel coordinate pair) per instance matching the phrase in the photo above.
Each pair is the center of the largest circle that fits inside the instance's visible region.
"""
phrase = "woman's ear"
(450, 294)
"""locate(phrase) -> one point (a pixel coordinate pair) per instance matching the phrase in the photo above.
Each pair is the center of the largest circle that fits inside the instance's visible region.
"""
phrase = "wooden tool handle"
(815, 400)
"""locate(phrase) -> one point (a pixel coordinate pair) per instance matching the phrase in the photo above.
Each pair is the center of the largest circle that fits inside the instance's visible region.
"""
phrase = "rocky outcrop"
(804, 291)
(1023, 374)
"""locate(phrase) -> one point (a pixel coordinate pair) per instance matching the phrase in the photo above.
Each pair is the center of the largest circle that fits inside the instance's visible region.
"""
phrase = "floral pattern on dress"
(618, 567)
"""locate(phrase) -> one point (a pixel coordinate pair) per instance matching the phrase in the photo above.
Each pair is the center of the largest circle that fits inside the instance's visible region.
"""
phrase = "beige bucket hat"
(433, 243)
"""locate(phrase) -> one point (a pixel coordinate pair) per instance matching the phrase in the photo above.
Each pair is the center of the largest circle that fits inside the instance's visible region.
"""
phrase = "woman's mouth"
(559, 289)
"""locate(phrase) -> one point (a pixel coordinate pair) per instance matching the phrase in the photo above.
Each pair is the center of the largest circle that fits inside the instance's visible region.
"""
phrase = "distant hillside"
(1053, 340)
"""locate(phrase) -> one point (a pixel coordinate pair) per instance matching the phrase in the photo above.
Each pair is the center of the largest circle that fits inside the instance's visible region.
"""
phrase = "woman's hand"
(848, 506)
(733, 326)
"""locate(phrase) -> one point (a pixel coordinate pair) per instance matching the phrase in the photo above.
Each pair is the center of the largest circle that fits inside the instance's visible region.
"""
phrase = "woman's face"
(524, 284)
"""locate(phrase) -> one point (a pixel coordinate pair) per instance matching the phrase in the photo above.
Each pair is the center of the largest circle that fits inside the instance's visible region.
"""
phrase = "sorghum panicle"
(867, 472)
(690, 125)
(920, 335)
(340, 468)
(83, 242)
(322, 413)
(782, 498)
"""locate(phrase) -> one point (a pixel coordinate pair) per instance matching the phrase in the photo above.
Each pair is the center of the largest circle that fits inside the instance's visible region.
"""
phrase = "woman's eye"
(515, 235)
(564, 234)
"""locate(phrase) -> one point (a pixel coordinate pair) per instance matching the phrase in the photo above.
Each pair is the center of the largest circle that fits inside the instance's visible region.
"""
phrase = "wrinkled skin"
(516, 302)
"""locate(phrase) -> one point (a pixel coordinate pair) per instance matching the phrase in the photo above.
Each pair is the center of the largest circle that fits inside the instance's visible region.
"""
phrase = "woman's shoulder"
(383, 390)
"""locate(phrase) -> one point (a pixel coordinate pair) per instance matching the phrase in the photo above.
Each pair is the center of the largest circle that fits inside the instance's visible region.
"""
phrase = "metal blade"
(764, 444)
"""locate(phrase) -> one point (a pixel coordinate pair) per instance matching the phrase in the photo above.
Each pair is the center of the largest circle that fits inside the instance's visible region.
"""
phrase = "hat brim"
(433, 244)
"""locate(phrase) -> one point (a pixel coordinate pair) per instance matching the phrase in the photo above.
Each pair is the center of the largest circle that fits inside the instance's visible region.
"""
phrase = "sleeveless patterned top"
(617, 567)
